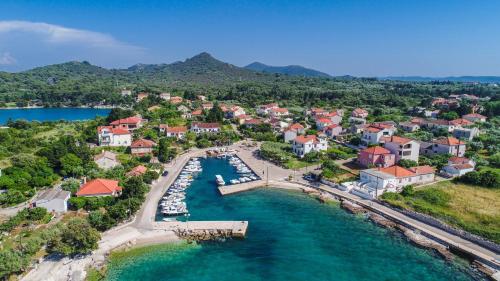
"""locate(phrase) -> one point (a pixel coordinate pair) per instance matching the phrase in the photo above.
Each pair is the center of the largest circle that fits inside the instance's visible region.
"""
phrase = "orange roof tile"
(128, 120)
(396, 139)
(422, 170)
(305, 139)
(448, 141)
(397, 171)
(178, 129)
(99, 187)
(376, 150)
(142, 143)
(296, 126)
(137, 171)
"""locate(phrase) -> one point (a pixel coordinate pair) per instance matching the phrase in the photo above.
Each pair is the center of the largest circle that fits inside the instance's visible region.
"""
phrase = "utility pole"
(267, 181)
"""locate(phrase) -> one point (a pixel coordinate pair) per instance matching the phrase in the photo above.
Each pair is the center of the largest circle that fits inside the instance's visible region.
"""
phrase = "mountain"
(464, 79)
(202, 68)
(292, 70)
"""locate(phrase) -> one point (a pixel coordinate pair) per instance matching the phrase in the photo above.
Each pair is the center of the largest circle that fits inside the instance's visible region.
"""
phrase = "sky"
(340, 37)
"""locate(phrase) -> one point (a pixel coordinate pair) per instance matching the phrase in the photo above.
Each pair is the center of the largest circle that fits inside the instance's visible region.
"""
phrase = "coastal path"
(480, 253)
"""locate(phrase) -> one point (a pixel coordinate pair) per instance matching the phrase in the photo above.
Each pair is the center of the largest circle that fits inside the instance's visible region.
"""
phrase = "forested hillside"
(80, 83)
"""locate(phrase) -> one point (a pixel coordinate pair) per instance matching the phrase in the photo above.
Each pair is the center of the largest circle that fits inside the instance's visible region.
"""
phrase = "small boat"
(235, 181)
(219, 180)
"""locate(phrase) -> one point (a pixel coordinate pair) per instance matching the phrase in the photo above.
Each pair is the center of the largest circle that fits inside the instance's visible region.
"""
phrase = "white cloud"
(56, 34)
(7, 59)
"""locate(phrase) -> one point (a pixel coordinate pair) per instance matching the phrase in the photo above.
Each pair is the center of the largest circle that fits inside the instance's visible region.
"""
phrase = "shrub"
(486, 178)
(433, 196)
(406, 163)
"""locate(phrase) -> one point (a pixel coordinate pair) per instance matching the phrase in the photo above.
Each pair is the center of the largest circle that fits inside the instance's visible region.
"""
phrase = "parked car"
(164, 174)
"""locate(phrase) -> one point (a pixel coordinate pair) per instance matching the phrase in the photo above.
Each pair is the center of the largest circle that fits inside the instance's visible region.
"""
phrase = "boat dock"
(205, 230)
(235, 188)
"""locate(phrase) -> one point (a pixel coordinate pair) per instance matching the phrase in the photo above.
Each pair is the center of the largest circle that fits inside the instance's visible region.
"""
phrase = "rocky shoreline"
(414, 237)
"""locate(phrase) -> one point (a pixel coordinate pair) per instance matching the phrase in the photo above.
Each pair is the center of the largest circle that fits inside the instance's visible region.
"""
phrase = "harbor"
(173, 202)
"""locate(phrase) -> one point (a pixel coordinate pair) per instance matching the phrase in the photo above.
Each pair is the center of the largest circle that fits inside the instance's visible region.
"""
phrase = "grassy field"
(472, 208)
(298, 164)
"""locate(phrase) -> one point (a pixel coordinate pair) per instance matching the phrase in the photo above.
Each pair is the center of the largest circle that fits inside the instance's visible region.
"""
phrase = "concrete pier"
(235, 188)
(207, 229)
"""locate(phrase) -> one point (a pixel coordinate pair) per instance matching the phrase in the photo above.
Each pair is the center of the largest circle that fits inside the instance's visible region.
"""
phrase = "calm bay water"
(290, 237)
(51, 114)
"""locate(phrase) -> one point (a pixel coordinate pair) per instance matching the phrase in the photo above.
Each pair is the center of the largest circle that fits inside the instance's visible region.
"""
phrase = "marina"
(173, 202)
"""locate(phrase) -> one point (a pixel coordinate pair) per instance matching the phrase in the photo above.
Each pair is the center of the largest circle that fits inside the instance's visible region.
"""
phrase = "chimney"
(84, 180)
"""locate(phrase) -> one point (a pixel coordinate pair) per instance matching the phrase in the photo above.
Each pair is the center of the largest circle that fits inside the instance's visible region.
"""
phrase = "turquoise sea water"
(51, 114)
(290, 237)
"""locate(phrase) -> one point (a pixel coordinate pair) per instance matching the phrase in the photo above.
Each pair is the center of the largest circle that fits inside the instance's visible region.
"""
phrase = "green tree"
(71, 165)
(134, 187)
(407, 163)
(215, 114)
(76, 237)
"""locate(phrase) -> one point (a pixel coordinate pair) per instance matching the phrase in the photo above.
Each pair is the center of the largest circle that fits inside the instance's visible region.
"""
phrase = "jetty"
(205, 230)
(235, 188)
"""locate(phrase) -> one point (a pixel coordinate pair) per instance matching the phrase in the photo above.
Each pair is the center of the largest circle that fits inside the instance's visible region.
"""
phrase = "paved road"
(479, 252)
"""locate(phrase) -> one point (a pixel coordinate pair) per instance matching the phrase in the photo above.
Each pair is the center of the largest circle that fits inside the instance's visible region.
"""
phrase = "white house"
(292, 132)
(54, 200)
(474, 117)
(199, 127)
(409, 126)
(322, 123)
(333, 130)
(266, 108)
(109, 136)
(403, 148)
(458, 166)
(373, 133)
(305, 144)
(165, 96)
(234, 112)
(395, 177)
(178, 132)
(278, 112)
(444, 145)
(465, 133)
(106, 160)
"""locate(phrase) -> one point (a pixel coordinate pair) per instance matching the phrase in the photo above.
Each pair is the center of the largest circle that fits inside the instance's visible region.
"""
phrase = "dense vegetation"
(80, 83)
(470, 207)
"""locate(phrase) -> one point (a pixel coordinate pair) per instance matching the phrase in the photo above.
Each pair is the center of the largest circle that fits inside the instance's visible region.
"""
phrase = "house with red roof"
(394, 178)
(373, 132)
(141, 96)
(266, 108)
(137, 171)
(293, 131)
(323, 122)
(109, 136)
(359, 113)
(129, 123)
(403, 148)
(444, 145)
(376, 156)
(197, 113)
(458, 166)
(207, 106)
(461, 122)
(177, 132)
(176, 100)
(278, 112)
(202, 128)
(234, 111)
(142, 147)
(250, 123)
(332, 130)
(475, 117)
(304, 144)
(100, 187)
